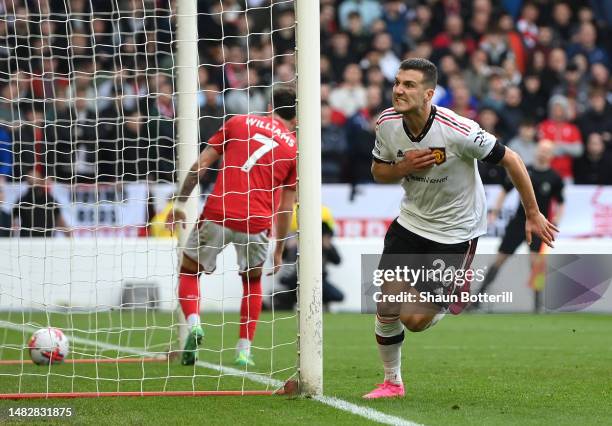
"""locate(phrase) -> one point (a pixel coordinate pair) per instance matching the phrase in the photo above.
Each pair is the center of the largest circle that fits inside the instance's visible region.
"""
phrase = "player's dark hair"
(283, 102)
(427, 68)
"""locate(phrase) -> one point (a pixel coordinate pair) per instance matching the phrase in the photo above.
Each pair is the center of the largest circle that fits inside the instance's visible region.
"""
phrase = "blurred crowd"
(525, 70)
(87, 91)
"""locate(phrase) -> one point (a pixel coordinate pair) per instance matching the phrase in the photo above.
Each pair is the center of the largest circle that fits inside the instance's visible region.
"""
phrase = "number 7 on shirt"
(268, 144)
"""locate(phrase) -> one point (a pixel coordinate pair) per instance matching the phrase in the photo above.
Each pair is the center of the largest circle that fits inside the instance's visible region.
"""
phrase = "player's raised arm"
(536, 222)
(196, 172)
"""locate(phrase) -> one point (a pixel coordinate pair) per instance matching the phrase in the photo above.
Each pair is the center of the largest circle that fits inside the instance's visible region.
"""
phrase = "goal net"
(100, 121)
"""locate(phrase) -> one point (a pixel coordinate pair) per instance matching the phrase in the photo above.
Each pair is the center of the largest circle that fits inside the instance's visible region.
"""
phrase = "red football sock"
(250, 307)
(189, 294)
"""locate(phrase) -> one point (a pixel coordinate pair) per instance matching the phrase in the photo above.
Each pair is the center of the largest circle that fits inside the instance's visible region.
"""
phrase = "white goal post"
(309, 210)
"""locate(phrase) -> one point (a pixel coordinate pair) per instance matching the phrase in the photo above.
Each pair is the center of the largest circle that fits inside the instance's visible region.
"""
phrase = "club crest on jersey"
(439, 155)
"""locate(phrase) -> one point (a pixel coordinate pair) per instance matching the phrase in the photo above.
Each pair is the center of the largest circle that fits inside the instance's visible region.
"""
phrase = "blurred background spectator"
(88, 97)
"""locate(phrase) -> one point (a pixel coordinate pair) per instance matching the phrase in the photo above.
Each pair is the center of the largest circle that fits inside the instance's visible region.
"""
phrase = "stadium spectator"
(248, 96)
(574, 87)
(553, 72)
(511, 113)
(562, 21)
(211, 112)
(339, 50)
(327, 19)
(477, 73)
(527, 24)
(334, 147)
(361, 129)
(369, 10)
(388, 60)
(463, 103)
(595, 166)
(525, 143)
(565, 136)
(37, 214)
(533, 98)
(494, 98)
(360, 39)
(133, 149)
(350, 96)
(283, 37)
(453, 30)
(598, 117)
(28, 146)
(396, 14)
(586, 44)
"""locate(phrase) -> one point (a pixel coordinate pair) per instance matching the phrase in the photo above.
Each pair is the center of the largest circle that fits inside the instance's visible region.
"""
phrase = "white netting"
(88, 164)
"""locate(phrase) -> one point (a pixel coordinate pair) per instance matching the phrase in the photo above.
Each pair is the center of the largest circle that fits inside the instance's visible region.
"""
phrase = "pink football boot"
(386, 390)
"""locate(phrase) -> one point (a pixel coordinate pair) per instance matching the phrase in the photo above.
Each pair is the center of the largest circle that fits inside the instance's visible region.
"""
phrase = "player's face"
(409, 92)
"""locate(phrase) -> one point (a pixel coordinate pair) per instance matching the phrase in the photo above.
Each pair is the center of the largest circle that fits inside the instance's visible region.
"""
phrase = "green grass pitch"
(470, 369)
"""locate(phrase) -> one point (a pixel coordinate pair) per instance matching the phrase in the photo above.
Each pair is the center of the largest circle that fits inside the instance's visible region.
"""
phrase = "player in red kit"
(256, 184)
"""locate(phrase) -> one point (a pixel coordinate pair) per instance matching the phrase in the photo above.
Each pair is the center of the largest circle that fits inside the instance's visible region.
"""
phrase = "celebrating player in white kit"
(432, 152)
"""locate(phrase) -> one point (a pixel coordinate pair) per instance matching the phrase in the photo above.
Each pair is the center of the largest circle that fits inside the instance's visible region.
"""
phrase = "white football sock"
(193, 319)
(243, 345)
(391, 355)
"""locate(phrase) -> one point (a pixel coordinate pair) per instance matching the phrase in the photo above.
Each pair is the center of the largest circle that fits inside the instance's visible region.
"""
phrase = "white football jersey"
(445, 203)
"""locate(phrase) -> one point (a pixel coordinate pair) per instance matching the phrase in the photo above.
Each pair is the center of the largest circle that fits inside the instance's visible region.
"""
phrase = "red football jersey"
(259, 158)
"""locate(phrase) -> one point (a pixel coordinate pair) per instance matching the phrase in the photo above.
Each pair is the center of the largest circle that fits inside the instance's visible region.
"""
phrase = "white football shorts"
(207, 240)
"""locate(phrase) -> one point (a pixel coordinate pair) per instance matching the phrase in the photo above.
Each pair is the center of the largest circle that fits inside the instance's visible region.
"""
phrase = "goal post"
(309, 193)
(187, 120)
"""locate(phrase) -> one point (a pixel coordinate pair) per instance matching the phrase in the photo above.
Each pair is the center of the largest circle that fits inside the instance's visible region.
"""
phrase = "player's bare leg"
(250, 308)
(189, 298)
(391, 318)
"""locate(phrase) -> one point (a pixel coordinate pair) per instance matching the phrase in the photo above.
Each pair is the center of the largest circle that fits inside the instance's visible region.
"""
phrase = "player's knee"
(416, 322)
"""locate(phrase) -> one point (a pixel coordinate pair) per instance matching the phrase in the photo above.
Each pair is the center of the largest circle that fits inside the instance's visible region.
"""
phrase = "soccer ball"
(48, 345)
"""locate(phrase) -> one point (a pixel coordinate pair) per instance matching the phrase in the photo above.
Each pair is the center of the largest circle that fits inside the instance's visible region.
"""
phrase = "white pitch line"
(340, 404)
(367, 412)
